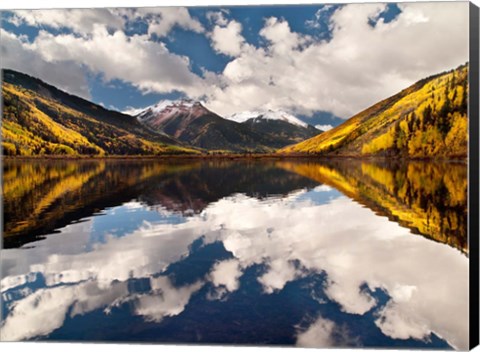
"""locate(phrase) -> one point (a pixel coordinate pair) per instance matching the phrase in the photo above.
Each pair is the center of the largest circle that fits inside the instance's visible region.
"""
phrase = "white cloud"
(55, 303)
(99, 43)
(18, 55)
(228, 39)
(226, 273)
(161, 20)
(165, 300)
(316, 23)
(61, 301)
(278, 275)
(146, 64)
(358, 67)
(282, 40)
(324, 127)
(397, 323)
(354, 301)
(217, 17)
(318, 334)
(79, 20)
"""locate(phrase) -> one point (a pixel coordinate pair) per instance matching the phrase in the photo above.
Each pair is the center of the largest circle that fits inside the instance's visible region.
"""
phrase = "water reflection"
(42, 196)
(428, 198)
(265, 252)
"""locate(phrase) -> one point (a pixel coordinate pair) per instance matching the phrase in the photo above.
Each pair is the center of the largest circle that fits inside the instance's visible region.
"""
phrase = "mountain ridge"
(244, 116)
(192, 122)
(426, 120)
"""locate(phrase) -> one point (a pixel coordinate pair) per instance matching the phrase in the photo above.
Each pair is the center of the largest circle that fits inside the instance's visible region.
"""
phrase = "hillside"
(281, 133)
(428, 119)
(192, 123)
(39, 119)
(280, 127)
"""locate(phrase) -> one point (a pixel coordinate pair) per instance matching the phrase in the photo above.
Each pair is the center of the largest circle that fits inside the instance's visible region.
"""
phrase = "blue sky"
(321, 62)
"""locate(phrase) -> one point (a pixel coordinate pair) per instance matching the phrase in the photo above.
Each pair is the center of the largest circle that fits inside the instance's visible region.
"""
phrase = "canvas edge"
(473, 162)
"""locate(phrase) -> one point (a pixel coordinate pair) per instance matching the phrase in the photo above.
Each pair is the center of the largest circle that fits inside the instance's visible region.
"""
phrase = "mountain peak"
(172, 107)
(175, 116)
(269, 114)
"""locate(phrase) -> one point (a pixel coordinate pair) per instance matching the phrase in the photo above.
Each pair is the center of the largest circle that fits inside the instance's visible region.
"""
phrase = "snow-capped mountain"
(280, 127)
(277, 115)
(166, 110)
(191, 122)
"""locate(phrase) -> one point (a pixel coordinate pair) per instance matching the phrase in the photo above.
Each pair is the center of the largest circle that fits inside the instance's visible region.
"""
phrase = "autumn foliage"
(428, 119)
(39, 119)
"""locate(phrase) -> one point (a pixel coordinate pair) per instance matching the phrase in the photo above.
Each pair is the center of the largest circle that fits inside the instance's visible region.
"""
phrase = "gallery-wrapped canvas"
(259, 175)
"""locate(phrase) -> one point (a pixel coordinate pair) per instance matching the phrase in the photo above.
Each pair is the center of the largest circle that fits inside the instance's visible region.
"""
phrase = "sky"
(322, 63)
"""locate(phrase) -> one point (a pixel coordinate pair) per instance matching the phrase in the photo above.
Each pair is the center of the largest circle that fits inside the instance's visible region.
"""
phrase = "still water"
(305, 253)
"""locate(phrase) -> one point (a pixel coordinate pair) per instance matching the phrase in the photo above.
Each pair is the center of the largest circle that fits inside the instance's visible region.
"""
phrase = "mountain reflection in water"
(267, 252)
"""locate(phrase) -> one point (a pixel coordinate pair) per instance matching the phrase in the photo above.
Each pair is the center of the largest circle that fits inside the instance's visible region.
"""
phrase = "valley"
(427, 120)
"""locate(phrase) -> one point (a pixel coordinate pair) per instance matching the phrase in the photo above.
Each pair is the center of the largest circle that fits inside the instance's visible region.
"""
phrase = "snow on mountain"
(129, 110)
(179, 104)
(167, 109)
(266, 115)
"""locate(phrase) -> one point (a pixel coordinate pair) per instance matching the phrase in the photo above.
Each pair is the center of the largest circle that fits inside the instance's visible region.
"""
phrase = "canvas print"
(292, 175)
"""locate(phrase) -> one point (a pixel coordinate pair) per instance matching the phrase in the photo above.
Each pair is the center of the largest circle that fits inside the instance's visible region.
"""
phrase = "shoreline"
(235, 157)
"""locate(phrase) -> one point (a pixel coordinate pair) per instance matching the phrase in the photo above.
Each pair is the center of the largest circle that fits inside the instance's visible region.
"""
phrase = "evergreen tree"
(427, 115)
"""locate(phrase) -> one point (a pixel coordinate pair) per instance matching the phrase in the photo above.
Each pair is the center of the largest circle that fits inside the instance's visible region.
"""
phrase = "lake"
(309, 253)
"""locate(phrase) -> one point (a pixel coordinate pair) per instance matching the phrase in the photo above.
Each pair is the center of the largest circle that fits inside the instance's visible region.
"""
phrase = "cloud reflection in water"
(290, 238)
